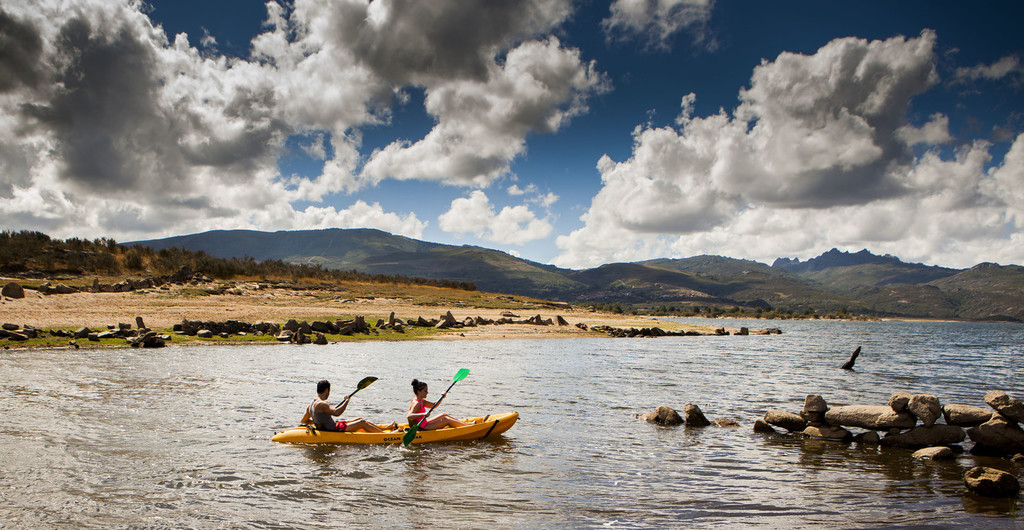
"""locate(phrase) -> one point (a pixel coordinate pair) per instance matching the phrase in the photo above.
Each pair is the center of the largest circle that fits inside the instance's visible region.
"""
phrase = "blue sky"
(572, 133)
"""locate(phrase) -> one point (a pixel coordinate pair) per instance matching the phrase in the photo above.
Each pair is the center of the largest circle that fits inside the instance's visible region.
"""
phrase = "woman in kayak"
(419, 406)
(321, 413)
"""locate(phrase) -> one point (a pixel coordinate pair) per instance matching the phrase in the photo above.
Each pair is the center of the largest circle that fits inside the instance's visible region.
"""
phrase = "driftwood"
(853, 358)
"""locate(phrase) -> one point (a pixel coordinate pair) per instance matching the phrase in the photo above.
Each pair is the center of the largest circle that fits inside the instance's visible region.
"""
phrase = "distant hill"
(860, 282)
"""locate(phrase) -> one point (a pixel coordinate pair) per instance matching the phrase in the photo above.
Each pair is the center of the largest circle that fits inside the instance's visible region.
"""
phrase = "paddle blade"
(460, 375)
(410, 435)
(365, 382)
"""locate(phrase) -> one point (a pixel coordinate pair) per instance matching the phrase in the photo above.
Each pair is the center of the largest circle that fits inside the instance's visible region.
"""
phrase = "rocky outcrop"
(663, 415)
(787, 420)
(694, 417)
(965, 415)
(878, 418)
(1010, 407)
(926, 408)
(925, 436)
(991, 482)
(998, 435)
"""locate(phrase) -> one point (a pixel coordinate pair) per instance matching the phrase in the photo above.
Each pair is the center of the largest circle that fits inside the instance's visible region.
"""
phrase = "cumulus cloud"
(109, 126)
(816, 155)
(482, 124)
(656, 22)
(513, 225)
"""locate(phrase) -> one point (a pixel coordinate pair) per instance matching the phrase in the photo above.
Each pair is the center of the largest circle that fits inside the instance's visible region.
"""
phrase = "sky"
(569, 133)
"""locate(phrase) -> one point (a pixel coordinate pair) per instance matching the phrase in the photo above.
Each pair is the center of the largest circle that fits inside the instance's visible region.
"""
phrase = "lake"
(180, 436)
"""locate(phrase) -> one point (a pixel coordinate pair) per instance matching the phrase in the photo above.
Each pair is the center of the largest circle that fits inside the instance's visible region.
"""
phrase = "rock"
(999, 434)
(991, 482)
(744, 331)
(762, 427)
(868, 438)
(934, 453)
(899, 401)
(139, 323)
(81, 333)
(926, 436)
(1010, 407)
(828, 432)
(876, 418)
(787, 420)
(926, 408)
(562, 321)
(815, 403)
(204, 334)
(285, 336)
(965, 415)
(10, 327)
(663, 415)
(292, 325)
(726, 422)
(13, 290)
(694, 417)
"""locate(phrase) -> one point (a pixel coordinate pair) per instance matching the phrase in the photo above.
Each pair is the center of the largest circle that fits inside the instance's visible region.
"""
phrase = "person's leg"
(360, 423)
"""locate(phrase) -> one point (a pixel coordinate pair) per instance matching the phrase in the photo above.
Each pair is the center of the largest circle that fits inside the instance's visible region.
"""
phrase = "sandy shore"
(163, 308)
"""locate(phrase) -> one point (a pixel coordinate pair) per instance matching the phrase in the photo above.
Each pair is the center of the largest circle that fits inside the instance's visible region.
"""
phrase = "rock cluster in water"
(912, 421)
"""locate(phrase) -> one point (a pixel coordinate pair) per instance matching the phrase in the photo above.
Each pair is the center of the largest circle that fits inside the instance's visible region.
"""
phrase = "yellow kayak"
(482, 427)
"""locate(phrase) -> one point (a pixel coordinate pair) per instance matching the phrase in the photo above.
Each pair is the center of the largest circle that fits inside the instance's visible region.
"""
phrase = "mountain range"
(860, 282)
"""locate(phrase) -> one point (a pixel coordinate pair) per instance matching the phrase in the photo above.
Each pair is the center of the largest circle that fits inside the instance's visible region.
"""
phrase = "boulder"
(13, 290)
(663, 415)
(899, 401)
(1010, 407)
(787, 420)
(998, 434)
(922, 436)
(934, 453)
(965, 415)
(762, 427)
(562, 321)
(815, 403)
(926, 408)
(139, 323)
(726, 422)
(694, 417)
(81, 333)
(828, 432)
(868, 438)
(204, 334)
(876, 418)
(10, 327)
(991, 482)
(320, 339)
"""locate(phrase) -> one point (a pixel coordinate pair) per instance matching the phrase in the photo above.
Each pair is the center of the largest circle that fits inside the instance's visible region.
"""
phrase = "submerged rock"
(663, 415)
(694, 417)
(991, 482)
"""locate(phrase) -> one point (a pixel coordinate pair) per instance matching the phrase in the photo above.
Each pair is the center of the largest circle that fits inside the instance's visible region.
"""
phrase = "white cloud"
(108, 127)
(816, 155)
(934, 132)
(482, 124)
(513, 225)
(1009, 65)
(656, 22)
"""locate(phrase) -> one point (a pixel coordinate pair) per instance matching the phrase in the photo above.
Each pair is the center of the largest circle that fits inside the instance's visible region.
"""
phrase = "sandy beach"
(162, 308)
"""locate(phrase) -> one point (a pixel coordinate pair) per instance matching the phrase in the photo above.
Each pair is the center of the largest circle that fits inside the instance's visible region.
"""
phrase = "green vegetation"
(25, 251)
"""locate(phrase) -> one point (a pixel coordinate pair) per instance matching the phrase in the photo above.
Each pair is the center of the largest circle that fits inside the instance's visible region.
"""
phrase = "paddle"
(413, 427)
(363, 383)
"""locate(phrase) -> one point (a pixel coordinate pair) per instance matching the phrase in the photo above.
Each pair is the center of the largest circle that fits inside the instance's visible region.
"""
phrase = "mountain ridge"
(861, 282)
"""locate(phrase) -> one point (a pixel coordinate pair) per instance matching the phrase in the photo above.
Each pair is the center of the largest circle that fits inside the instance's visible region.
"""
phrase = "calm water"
(180, 436)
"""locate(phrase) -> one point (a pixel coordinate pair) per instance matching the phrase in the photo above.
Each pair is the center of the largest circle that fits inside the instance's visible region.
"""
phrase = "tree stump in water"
(853, 358)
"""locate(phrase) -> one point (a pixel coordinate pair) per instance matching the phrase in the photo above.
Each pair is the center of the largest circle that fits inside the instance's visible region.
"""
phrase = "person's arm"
(306, 418)
(340, 409)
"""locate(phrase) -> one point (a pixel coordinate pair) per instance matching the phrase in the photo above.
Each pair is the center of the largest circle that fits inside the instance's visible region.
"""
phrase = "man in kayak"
(321, 414)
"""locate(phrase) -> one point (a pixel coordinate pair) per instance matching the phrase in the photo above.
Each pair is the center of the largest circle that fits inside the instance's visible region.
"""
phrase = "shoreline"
(162, 309)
